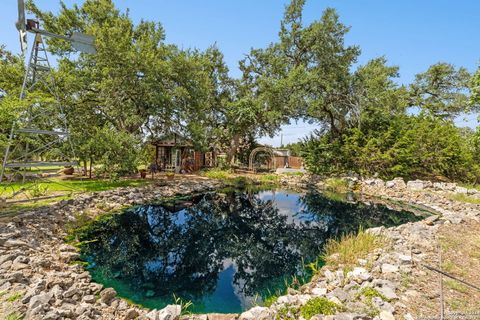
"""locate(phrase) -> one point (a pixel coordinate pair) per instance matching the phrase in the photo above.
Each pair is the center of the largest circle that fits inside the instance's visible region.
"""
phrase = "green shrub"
(319, 305)
(408, 146)
(287, 313)
(369, 294)
(14, 297)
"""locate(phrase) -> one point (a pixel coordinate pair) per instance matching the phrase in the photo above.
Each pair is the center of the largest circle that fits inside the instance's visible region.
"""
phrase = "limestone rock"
(89, 298)
(107, 295)
(317, 291)
(415, 185)
(69, 256)
(131, 314)
(385, 315)
(429, 221)
(389, 268)
(152, 315)
(359, 275)
(170, 312)
(40, 300)
(405, 259)
(461, 190)
(387, 292)
(256, 313)
(70, 292)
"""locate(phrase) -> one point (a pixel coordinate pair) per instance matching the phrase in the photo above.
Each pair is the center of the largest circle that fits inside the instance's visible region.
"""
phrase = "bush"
(319, 306)
(408, 146)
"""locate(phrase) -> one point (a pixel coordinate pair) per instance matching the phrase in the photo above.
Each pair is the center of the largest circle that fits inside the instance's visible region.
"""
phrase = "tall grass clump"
(461, 197)
(351, 247)
(269, 178)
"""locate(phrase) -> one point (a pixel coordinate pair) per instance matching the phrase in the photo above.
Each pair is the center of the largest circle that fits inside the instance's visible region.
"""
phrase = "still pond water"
(222, 251)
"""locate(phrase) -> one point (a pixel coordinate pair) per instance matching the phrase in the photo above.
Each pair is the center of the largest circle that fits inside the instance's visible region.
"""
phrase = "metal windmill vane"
(30, 124)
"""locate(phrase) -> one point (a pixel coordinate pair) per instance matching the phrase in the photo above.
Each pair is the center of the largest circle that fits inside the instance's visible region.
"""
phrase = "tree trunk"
(85, 168)
(90, 171)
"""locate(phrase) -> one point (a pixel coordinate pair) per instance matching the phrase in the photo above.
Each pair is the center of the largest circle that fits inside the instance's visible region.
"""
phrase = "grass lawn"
(63, 188)
(86, 185)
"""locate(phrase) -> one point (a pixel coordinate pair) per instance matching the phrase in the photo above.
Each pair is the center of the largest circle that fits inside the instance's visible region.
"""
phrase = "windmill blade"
(80, 41)
(23, 40)
(21, 26)
(21, 23)
(83, 42)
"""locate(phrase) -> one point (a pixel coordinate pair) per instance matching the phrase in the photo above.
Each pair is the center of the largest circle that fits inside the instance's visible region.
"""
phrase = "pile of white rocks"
(418, 185)
(412, 245)
(39, 278)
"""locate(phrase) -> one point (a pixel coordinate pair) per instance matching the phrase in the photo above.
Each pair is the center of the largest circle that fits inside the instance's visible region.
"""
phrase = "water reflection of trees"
(183, 252)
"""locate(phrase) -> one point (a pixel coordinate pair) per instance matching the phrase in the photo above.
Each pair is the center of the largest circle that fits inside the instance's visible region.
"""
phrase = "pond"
(224, 252)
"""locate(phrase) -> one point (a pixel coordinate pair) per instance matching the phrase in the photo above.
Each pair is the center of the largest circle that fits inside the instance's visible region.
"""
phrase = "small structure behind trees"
(276, 158)
(174, 152)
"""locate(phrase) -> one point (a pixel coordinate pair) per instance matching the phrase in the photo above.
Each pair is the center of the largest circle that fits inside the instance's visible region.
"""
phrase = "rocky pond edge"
(40, 281)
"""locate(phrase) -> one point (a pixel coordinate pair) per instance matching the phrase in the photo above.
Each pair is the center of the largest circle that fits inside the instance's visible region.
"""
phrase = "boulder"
(387, 292)
(405, 259)
(359, 274)
(40, 300)
(70, 292)
(444, 186)
(397, 183)
(170, 312)
(89, 298)
(389, 268)
(472, 191)
(67, 248)
(415, 185)
(317, 291)
(341, 294)
(389, 184)
(152, 315)
(430, 221)
(68, 256)
(256, 313)
(107, 295)
(461, 190)
(385, 315)
(131, 314)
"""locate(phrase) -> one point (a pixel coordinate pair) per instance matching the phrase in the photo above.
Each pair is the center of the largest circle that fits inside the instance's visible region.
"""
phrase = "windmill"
(40, 130)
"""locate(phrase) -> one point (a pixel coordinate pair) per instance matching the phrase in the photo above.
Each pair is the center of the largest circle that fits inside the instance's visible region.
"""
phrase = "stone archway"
(258, 150)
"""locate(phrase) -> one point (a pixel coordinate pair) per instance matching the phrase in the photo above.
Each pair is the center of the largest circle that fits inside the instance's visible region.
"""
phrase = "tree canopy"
(137, 87)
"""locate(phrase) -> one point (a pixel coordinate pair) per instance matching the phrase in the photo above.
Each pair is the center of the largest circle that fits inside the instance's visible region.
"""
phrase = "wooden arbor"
(258, 150)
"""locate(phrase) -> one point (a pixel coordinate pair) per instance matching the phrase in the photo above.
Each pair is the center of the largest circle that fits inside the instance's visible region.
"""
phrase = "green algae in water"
(224, 252)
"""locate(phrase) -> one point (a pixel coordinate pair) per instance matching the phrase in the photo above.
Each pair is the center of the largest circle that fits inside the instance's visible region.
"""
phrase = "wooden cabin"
(176, 153)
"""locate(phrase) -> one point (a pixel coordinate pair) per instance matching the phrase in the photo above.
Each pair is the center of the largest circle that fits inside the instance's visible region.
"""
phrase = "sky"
(411, 34)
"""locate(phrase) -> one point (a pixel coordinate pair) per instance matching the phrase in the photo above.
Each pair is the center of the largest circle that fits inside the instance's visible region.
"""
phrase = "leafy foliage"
(137, 88)
(319, 305)
(410, 146)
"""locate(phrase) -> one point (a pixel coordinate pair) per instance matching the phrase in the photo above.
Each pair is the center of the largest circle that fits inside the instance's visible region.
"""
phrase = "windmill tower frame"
(20, 156)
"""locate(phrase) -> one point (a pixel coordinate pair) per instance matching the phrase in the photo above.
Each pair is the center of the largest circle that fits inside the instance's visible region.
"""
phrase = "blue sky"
(410, 33)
